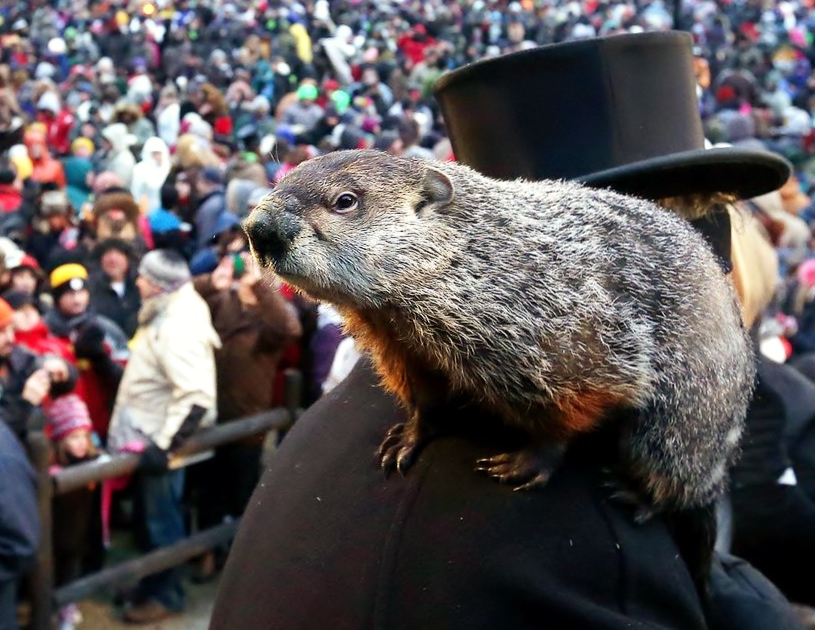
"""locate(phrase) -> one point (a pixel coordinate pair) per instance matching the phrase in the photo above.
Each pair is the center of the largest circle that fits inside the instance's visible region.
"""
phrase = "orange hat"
(5, 313)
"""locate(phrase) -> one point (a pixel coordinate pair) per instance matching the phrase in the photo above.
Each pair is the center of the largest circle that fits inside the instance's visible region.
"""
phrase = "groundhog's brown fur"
(549, 304)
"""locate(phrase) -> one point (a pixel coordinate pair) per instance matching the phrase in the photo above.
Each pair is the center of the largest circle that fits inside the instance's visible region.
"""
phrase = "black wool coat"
(329, 542)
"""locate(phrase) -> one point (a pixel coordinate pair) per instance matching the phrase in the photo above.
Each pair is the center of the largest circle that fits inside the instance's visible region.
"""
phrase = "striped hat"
(67, 414)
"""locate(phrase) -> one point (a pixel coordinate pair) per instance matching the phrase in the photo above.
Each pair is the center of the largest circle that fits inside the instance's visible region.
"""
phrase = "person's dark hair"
(7, 171)
(169, 196)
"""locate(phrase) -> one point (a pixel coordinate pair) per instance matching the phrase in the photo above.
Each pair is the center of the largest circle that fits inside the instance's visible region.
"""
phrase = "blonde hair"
(755, 264)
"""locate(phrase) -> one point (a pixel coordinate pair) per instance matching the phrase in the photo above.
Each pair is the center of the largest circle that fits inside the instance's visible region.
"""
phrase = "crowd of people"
(135, 137)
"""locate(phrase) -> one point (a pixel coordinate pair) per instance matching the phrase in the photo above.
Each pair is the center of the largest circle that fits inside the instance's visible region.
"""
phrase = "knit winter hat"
(67, 414)
(5, 313)
(307, 92)
(165, 268)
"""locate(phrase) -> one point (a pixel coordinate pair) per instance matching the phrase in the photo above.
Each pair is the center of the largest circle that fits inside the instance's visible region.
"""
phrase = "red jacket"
(40, 341)
(10, 198)
(59, 131)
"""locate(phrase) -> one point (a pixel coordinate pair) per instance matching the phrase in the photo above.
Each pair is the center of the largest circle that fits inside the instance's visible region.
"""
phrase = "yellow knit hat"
(66, 273)
(82, 143)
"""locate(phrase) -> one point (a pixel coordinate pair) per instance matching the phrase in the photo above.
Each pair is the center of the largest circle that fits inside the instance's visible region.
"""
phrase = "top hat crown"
(618, 111)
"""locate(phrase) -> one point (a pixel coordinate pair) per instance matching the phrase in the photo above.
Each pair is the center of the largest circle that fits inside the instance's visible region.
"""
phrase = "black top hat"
(618, 111)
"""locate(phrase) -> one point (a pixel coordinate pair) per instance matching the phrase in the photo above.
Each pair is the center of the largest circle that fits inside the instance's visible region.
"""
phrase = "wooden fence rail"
(44, 598)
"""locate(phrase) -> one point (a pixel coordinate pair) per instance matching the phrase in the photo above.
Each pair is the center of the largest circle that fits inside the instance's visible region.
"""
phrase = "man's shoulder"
(474, 553)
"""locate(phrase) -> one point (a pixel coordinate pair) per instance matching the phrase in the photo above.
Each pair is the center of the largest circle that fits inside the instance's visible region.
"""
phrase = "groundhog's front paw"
(399, 449)
(525, 469)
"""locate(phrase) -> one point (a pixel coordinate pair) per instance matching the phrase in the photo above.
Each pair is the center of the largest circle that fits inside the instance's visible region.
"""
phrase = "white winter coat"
(171, 368)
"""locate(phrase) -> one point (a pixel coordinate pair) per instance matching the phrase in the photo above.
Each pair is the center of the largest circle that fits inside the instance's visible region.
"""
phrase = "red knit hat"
(67, 414)
(5, 313)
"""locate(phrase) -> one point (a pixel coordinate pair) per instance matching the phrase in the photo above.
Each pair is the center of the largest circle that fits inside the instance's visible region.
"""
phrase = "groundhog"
(552, 305)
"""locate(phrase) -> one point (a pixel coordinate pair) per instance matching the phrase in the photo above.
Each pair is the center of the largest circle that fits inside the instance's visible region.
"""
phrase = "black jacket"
(122, 310)
(329, 542)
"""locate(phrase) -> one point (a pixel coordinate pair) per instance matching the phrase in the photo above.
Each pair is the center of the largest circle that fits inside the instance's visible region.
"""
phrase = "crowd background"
(127, 127)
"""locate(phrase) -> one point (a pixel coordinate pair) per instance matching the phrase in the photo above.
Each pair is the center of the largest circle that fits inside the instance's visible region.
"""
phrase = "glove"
(154, 460)
(90, 342)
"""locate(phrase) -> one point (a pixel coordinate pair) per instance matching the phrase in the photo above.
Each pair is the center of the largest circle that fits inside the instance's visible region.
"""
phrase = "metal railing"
(44, 598)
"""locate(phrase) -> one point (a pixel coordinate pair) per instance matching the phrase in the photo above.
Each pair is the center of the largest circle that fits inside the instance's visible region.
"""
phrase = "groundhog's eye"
(345, 202)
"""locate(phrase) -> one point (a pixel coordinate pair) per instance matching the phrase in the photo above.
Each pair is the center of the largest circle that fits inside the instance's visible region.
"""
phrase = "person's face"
(158, 158)
(24, 280)
(77, 444)
(57, 222)
(25, 318)
(370, 77)
(7, 340)
(397, 148)
(203, 187)
(73, 303)
(146, 288)
(115, 264)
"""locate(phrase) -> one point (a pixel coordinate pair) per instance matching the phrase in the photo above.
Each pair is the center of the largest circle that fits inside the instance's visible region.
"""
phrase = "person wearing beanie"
(26, 275)
(99, 343)
(167, 392)
(75, 513)
(304, 113)
(56, 233)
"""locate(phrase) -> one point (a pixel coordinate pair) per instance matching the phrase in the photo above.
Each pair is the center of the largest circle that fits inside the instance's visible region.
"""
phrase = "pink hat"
(67, 414)
(806, 273)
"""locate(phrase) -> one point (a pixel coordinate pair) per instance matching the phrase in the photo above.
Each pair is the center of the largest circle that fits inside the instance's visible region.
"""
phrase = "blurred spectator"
(118, 157)
(26, 277)
(26, 378)
(150, 174)
(304, 113)
(167, 392)
(10, 189)
(56, 232)
(46, 169)
(212, 203)
(76, 512)
(255, 324)
(112, 288)
(19, 522)
(30, 330)
(99, 344)
(79, 171)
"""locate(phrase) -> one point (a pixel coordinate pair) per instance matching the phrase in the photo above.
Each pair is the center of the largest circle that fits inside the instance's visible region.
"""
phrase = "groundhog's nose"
(270, 236)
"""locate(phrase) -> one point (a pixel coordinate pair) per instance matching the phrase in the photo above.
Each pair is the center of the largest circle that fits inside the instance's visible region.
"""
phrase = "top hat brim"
(745, 173)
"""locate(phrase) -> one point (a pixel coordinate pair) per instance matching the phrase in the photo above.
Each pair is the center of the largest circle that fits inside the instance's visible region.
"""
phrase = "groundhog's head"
(355, 227)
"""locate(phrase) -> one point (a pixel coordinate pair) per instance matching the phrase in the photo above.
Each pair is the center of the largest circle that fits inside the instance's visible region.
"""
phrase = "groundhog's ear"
(437, 190)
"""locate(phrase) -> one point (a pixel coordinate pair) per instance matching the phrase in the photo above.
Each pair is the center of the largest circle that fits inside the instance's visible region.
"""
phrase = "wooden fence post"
(41, 578)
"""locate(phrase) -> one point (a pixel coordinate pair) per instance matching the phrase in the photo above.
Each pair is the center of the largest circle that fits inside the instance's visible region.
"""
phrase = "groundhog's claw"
(399, 449)
(525, 469)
